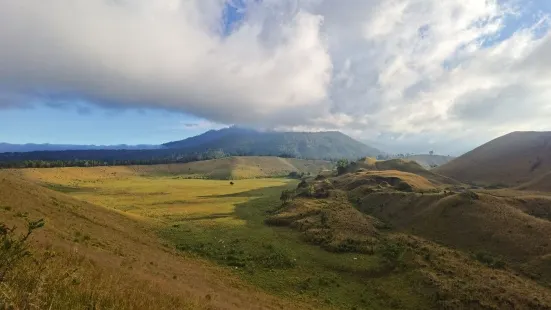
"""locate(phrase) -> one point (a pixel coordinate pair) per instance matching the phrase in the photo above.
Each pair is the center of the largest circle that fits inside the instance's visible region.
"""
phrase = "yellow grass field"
(224, 224)
(94, 257)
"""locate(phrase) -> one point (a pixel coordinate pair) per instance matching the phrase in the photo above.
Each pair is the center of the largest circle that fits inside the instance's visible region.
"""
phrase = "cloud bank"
(389, 70)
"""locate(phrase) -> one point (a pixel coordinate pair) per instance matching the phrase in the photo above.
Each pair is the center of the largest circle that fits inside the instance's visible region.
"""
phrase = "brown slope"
(513, 159)
(452, 279)
(109, 260)
(541, 184)
(403, 165)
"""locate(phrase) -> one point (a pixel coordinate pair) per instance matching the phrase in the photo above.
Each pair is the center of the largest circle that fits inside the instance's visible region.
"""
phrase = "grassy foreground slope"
(87, 257)
(239, 167)
(225, 224)
(512, 160)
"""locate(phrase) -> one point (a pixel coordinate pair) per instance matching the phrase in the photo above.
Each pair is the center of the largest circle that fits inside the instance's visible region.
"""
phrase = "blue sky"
(89, 124)
(170, 69)
(95, 125)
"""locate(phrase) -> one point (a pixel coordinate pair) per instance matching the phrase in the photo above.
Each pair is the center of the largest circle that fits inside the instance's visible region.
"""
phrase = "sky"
(403, 75)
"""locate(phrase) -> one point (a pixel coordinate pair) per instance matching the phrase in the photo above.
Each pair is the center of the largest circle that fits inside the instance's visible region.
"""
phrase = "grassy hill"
(319, 145)
(403, 165)
(474, 250)
(244, 167)
(87, 256)
(511, 160)
(386, 235)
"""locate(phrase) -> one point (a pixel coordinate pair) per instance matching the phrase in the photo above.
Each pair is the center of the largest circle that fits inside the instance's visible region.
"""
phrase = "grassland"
(92, 257)
(368, 239)
(224, 223)
(228, 168)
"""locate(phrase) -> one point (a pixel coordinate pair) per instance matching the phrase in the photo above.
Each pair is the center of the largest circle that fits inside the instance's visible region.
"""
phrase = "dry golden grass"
(108, 260)
(402, 165)
(239, 167)
(386, 178)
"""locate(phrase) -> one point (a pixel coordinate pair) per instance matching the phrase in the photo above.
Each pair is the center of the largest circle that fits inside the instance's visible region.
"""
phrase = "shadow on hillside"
(250, 193)
(213, 216)
(254, 211)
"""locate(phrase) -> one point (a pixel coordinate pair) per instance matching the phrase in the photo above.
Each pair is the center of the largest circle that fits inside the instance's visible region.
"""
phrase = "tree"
(286, 196)
(431, 153)
(342, 165)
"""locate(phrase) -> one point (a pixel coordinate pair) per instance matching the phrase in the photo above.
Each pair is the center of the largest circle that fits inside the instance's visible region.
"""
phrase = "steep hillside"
(93, 257)
(513, 159)
(541, 183)
(319, 145)
(245, 167)
(430, 161)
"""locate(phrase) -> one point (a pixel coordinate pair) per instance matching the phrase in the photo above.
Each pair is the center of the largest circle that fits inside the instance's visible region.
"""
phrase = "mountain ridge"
(333, 144)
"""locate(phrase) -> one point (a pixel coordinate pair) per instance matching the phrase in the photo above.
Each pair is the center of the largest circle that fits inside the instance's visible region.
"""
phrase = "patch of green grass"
(224, 223)
(278, 261)
(65, 188)
(80, 237)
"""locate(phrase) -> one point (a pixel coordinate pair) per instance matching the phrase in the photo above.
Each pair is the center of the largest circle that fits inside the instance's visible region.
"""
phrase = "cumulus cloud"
(431, 71)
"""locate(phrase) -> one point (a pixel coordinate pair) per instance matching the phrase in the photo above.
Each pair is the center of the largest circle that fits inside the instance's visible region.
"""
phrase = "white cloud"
(435, 71)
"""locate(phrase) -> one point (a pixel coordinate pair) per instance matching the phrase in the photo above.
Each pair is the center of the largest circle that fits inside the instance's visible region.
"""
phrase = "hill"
(430, 161)
(313, 145)
(511, 160)
(239, 167)
(403, 165)
(475, 250)
(90, 256)
(210, 145)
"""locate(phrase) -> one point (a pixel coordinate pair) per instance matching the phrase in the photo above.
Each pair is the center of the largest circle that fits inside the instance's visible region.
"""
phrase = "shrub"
(489, 260)
(286, 196)
(302, 184)
(393, 253)
(13, 249)
(470, 195)
(404, 187)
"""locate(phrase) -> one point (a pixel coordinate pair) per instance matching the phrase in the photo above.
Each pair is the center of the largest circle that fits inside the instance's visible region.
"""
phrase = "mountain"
(31, 147)
(212, 144)
(429, 161)
(318, 145)
(511, 160)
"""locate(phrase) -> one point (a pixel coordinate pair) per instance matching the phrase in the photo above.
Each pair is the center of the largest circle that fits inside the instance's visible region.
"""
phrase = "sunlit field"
(224, 223)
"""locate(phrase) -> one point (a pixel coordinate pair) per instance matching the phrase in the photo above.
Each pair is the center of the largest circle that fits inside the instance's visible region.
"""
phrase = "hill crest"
(242, 141)
(513, 159)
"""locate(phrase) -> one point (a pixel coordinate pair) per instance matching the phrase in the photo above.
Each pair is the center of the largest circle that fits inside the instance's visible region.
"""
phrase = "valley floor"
(224, 224)
(195, 243)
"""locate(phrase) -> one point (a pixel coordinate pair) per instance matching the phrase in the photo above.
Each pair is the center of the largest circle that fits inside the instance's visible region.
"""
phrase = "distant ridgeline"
(213, 144)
